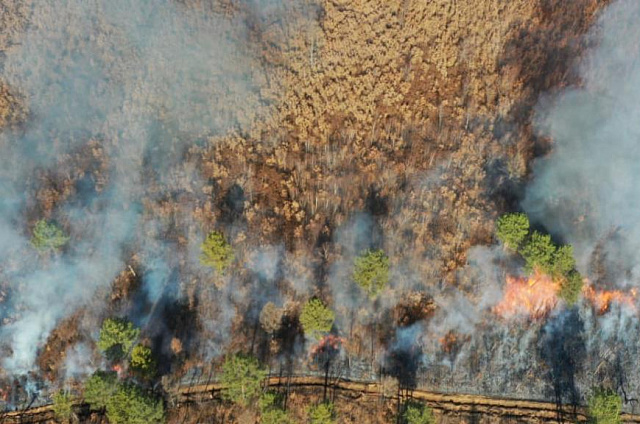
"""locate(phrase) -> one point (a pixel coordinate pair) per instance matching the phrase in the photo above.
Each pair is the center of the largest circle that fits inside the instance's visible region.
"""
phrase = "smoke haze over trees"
(316, 187)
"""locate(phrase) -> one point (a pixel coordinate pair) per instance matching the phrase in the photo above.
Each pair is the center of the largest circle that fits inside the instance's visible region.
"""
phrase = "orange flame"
(602, 299)
(448, 342)
(532, 297)
(118, 369)
(326, 343)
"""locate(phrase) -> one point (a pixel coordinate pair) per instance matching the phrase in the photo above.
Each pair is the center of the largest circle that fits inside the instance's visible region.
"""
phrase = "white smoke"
(585, 191)
(145, 79)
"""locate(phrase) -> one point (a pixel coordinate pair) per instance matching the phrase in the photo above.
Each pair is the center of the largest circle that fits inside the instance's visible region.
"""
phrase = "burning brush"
(532, 297)
(328, 345)
(603, 299)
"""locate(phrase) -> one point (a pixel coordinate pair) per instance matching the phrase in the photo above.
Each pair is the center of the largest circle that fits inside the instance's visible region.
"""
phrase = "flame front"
(602, 299)
(329, 342)
(531, 297)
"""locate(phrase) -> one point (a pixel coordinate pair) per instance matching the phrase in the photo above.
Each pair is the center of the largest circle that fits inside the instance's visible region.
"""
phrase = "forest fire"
(602, 299)
(533, 297)
(118, 369)
(328, 344)
(448, 342)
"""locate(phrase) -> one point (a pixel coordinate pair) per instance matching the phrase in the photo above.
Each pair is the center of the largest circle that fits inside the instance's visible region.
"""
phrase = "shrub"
(117, 336)
(605, 406)
(321, 414)
(130, 405)
(316, 318)
(416, 413)
(48, 236)
(62, 406)
(371, 271)
(270, 409)
(539, 252)
(512, 229)
(142, 360)
(216, 252)
(275, 416)
(99, 388)
(571, 287)
(241, 376)
(267, 400)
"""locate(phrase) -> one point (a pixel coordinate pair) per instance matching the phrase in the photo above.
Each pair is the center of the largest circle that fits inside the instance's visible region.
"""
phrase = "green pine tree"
(48, 236)
(316, 319)
(99, 388)
(512, 229)
(131, 405)
(117, 337)
(371, 271)
(216, 252)
(241, 377)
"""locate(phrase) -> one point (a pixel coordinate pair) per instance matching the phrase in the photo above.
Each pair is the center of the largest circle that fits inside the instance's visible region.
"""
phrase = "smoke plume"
(117, 92)
(585, 191)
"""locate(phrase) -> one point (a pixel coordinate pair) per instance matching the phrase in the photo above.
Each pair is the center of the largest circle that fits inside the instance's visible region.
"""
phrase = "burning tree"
(512, 229)
(316, 318)
(241, 376)
(371, 271)
(542, 256)
(605, 406)
(217, 253)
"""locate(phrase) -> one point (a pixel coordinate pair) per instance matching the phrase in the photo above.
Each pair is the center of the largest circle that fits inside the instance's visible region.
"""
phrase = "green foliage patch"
(275, 416)
(62, 406)
(539, 252)
(142, 360)
(117, 337)
(271, 412)
(512, 229)
(571, 287)
(371, 271)
(241, 376)
(131, 405)
(216, 252)
(99, 388)
(48, 236)
(316, 319)
(416, 413)
(605, 407)
(322, 414)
